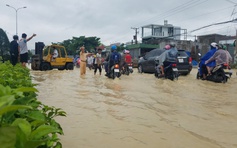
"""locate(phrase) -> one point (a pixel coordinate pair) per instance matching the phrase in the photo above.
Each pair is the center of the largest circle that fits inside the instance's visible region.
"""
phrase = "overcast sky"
(111, 20)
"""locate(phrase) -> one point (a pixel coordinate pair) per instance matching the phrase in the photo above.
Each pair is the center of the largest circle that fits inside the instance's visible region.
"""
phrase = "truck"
(43, 60)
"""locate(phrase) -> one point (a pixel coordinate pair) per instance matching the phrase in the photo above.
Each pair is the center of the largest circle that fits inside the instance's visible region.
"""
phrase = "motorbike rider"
(127, 58)
(203, 67)
(113, 58)
(220, 57)
(168, 57)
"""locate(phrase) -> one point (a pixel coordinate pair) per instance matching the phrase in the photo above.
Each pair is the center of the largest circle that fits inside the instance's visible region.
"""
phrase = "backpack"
(172, 55)
(115, 57)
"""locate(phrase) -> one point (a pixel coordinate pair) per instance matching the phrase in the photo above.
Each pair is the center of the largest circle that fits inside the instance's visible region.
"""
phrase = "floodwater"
(140, 111)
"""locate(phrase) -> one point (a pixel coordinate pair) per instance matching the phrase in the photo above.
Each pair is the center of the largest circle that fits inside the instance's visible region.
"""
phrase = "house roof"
(157, 26)
(214, 34)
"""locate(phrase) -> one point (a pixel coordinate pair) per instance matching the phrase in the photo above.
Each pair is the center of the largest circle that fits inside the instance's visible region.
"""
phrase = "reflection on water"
(140, 111)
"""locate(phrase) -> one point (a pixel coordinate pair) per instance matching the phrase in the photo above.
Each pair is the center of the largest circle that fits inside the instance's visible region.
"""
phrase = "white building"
(166, 31)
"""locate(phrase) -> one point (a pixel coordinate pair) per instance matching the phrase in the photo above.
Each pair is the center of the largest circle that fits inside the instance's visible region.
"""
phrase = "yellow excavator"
(44, 59)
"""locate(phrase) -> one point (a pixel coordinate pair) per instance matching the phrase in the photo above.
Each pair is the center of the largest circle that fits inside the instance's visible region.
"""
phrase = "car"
(184, 62)
(147, 63)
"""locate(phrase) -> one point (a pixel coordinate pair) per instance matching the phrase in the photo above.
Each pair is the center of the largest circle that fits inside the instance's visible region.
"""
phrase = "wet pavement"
(140, 111)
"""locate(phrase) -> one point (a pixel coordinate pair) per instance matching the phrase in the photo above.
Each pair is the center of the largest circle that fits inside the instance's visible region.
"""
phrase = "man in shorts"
(24, 49)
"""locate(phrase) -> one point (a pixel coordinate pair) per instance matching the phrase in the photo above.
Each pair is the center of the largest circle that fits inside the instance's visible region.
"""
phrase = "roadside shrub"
(24, 121)
(234, 66)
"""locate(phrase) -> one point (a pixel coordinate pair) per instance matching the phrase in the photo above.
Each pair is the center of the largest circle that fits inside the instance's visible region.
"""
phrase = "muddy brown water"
(140, 111)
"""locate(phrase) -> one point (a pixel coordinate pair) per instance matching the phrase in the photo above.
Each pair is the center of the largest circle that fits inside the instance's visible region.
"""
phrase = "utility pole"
(136, 32)
(235, 58)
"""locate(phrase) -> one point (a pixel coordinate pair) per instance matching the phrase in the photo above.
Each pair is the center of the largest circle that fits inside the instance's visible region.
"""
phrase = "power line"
(231, 2)
(174, 11)
(214, 24)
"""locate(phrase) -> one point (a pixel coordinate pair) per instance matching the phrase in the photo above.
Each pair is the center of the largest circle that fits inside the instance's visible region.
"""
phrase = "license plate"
(116, 70)
(181, 60)
(174, 69)
(130, 67)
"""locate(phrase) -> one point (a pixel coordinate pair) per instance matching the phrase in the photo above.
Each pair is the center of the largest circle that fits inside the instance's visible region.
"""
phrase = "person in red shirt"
(126, 60)
(128, 57)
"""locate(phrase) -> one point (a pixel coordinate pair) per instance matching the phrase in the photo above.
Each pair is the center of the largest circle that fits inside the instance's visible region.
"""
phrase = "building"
(204, 42)
(156, 36)
(153, 34)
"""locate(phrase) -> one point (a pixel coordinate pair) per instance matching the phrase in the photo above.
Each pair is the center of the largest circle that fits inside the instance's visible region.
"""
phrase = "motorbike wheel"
(198, 76)
(175, 75)
(127, 72)
(140, 70)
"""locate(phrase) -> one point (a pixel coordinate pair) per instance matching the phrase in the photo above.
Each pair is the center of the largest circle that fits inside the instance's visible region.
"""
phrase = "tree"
(72, 45)
(4, 46)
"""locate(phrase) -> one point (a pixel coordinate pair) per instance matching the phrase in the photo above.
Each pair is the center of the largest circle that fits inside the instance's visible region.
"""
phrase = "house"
(153, 34)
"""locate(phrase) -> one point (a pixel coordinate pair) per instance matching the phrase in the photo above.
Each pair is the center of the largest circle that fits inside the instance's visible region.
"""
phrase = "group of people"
(116, 58)
(217, 55)
(19, 49)
(113, 57)
(96, 61)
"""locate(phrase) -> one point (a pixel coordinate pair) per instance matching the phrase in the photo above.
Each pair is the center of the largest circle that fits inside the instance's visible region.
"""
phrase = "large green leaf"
(36, 115)
(13, 108)
(8, 99)
(23, 125)
(8, 137)
(4, 90)
(34, 144)
(27, 89)
(43, 130)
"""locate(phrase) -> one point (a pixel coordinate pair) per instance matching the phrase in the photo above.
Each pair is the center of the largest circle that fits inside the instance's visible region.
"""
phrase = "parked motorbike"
(114, 71)
(171, 71)
(127, 69)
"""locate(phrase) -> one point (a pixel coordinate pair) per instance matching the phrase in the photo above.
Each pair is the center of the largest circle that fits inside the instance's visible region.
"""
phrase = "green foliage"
(234, 66)
(24, 121)
(4, 46)
(72, 45)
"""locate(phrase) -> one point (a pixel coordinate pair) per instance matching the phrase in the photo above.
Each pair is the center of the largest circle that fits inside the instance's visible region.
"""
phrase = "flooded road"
(140, 111)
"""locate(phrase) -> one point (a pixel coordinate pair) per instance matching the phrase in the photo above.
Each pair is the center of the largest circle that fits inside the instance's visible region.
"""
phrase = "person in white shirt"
(98, 62)
(24, 49)
(90, 59)
(55, 54)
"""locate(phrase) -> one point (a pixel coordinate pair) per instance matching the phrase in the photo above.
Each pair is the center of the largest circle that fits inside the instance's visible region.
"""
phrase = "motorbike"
(127, 69)
(170, 70)
(220, 73)
(114, 71)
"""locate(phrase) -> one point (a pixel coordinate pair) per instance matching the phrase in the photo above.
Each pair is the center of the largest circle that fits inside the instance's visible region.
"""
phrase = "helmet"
(113, 47)
(220, 46)
(126, 51)
(15, 37)
(172, 45)
(167, 47)
(224, 47)
(213, 44)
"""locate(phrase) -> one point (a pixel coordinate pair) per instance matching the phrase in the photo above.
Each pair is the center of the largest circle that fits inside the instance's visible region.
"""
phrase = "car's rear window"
(155, 52)
(182, 53)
